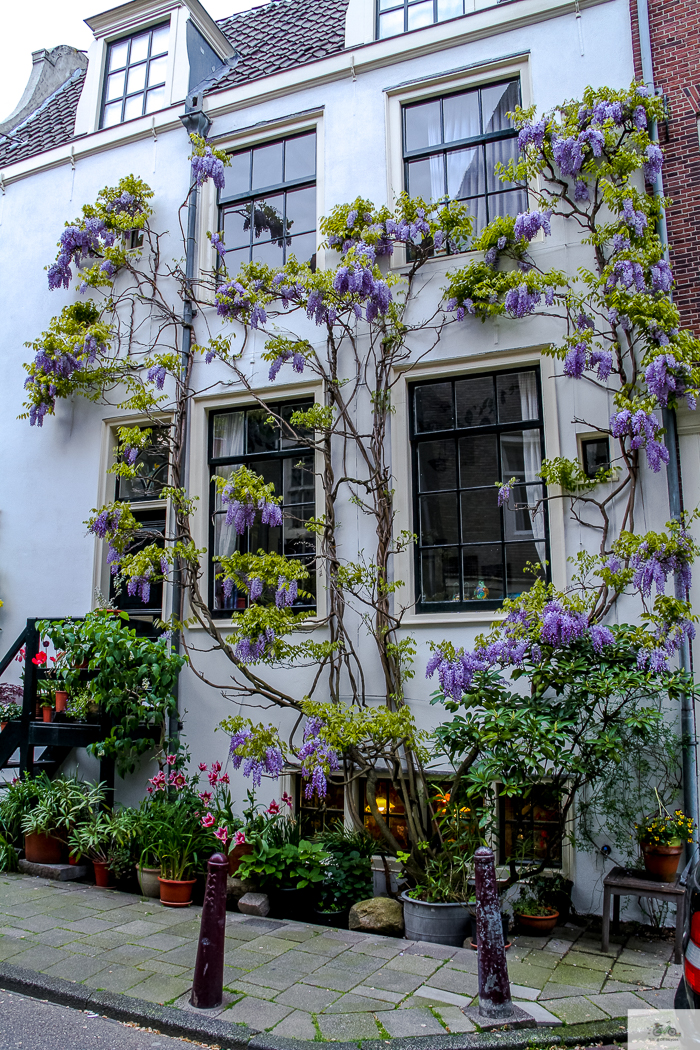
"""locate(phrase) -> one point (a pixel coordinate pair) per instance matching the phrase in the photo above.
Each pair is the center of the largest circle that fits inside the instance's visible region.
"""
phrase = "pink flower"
(216, 767)
(221, 834)
(39, 659)
(149, 790)
(178, 780)
(202, 767)
(287, 799)
(239, 838)
(205, 797)
(212, 778)
(158, 781)
(273, 809)
(208, 820)
(223, 779)
(171, 759)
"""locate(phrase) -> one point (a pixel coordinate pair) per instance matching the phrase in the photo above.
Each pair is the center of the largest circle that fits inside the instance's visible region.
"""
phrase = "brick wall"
(675, 45)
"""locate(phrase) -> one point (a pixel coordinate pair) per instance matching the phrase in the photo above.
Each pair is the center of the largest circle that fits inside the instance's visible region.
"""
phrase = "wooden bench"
(623, 882)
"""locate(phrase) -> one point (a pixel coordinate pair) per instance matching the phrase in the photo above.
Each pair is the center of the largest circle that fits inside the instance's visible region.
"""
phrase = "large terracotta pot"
(237, 854)
(538, 924)
(42, 849)
(103, 876)
(148, 881)
(61, 700)
(176, 893)
(661, 862)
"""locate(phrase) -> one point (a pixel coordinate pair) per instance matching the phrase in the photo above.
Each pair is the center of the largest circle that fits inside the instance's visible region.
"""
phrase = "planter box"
(439, 923)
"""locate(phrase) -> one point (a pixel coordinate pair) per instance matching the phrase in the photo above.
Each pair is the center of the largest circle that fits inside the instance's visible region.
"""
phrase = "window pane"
(234, 260)
(439, 519)
(478, 460)
(136, 80)
(227, 438)
(523, 517)
(433, 407)
(160, 40)
(287, 412)
(496, 101)
(303, 248)
(270, 470)
(153, 473)
(237, 225)
(298, 477)
(502, 150)
(422, 126)
(437, 468)
(517, 556)
(596, 456)
(155, 99)
(481, 518)
(465, 172)
(262, 436)
(298, 541)
(476, 405)
(391, 23)
(517, 397)
(268, 219)
(483, 572)
(426, 178)
(301, 210)
(237, 175)
(461, 116)
(300, 158)
(384, 5)
(477, 211)
(113, 115)
(440, 576)
(267, 165)
(115, 86)
(157, 70)
(117, 55)
(133, 107)
(450, 9)
(139, 48)
(270, 253)
(225, 537)
(511, 203)
(521, 456)
(420, 15)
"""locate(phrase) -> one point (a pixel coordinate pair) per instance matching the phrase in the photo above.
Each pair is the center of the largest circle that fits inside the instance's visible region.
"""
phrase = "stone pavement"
(307, 982)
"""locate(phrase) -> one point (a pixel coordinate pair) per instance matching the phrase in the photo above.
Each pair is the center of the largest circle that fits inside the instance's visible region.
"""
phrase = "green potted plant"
(286, 866)
(103, 838)
(11, 697)
(47, 811)
(661, 839)
(533, 914)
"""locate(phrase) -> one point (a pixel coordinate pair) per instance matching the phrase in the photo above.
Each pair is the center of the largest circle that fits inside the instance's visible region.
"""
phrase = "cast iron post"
(208, 984)
(494, 986)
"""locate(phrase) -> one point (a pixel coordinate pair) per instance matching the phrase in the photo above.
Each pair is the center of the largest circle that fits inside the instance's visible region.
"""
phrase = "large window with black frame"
(244, 436)
(530, 827)
(267, 208)
(143, 494)
(451, 146)
(135, 76)
(468, 434)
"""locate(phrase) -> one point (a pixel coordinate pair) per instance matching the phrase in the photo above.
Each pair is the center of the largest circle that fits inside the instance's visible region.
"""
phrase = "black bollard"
(494, 986)
(208, 984)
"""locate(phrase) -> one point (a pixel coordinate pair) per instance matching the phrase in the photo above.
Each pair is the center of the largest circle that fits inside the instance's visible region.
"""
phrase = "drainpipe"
(690, 762)
(196, 122)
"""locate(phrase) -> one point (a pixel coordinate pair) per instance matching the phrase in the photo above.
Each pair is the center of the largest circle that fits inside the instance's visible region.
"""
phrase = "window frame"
(213, 463)
(415, 438)
(147, 87)
(284, 187)
(406, 5)
(443, 149)
(556, 862)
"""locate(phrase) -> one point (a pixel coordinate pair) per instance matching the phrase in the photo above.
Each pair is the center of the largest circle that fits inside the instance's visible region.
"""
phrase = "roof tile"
(50, 125)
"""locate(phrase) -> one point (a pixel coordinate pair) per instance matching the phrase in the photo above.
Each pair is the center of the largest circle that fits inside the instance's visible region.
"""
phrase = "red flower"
(171, 759)
(39, 659)
(239, 838)
(208, 820)
(212, 778)
(20, 656)
(216, 767)
(223, 779)
(273, 809)
(202, 767)
(287, 799)
(222, 835)
(205, 797)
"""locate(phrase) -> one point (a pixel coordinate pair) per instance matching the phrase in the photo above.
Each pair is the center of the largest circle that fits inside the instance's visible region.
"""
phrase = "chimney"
(50, 70)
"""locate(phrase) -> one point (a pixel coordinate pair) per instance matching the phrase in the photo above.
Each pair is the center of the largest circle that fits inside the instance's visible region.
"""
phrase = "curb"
(231, 1036)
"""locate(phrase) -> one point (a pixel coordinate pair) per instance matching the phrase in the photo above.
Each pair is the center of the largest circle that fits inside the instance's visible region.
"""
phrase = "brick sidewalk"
(306, 982)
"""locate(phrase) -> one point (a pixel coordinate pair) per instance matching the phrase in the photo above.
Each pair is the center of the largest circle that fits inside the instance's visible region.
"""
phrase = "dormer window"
(135, 76)
(400, 16)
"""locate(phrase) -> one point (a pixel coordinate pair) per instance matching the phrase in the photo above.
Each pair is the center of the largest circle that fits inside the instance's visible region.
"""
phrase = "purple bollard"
(208, 984)
(494, 986)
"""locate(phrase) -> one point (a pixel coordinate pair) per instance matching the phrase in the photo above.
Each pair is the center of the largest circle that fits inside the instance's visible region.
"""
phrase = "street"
(36, 1025)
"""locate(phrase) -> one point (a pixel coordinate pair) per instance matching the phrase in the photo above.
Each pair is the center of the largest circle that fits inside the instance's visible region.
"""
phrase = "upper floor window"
(451, 146)
(398, 16)
(268, 204)
(243, 436)
(135, 76)
(468, 434)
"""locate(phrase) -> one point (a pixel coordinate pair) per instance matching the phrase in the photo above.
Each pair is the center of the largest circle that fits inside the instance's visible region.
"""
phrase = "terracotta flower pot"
(61, 700)
(661, 862)
(38, 710)
(176, 893)
(42, 849)
(2, 726)
(538, 924)
(237, 854)
(103, 876)
(47, 713)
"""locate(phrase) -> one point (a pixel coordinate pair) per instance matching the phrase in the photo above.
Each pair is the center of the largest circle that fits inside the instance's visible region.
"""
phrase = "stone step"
(59, 872)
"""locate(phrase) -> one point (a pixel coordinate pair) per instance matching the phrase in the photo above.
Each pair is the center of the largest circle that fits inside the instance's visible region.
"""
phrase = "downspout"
(196, 122)
(688, 729)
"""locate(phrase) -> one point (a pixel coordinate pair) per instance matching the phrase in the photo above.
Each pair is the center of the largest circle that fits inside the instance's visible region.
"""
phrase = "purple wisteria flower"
(642, 429)
(661, 276)
(521, 301)
(317, 753)
(532, 133)
(528, 224)
(141, 586)
(130, 454)
(665, 376)
(636, 219)
(581, 192)
(608, 111)
(655, 566)
(218, 244)
(504, 493)
(286, 593)
(75, 244)
(568, 154)
(639, 118)
(575, 361)
(603, 361)
(561, 626)
(654, 162)
(208, 167)
(156, 374)
(250, 650)
(255, 588)
(601, 636)
(107, 521)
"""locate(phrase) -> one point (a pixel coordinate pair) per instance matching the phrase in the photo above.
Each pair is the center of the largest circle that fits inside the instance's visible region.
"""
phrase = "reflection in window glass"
(396, 16)
(468, 437)
(133, 66)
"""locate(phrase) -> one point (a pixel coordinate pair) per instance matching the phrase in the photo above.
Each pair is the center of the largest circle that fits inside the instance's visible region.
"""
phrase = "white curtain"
(229, 440)
(532, 456)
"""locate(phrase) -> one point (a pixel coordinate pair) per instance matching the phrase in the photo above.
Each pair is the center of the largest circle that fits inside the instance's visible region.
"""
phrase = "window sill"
(476, 616)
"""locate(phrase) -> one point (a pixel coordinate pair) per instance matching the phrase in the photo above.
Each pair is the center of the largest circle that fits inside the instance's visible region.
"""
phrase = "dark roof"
(282, 35)
(50, 125)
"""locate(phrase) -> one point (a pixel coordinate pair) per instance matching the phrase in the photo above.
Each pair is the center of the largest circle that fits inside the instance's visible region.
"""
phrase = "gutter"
(673, 476)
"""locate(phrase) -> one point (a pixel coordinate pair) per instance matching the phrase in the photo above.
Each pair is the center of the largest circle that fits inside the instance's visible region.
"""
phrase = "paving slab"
(659, 998)
(116, 979)
(347, 1026)
(589, 961)
(394, 981)
(616, 1004)
(527, 974)
(575, 1010)
(649, 977)
(454, 1019)
(579, 976)
(409, 1022)
(553, 990)
(41, 957)
(418, 965)
(297, 1025)
(312, 1000)
(352, 1003)
(257, 1014)
(543, 1016)
(433, 951)
(333, 977)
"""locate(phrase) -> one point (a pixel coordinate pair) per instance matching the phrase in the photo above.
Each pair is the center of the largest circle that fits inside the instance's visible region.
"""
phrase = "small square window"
(595, 453)
(136, 74)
